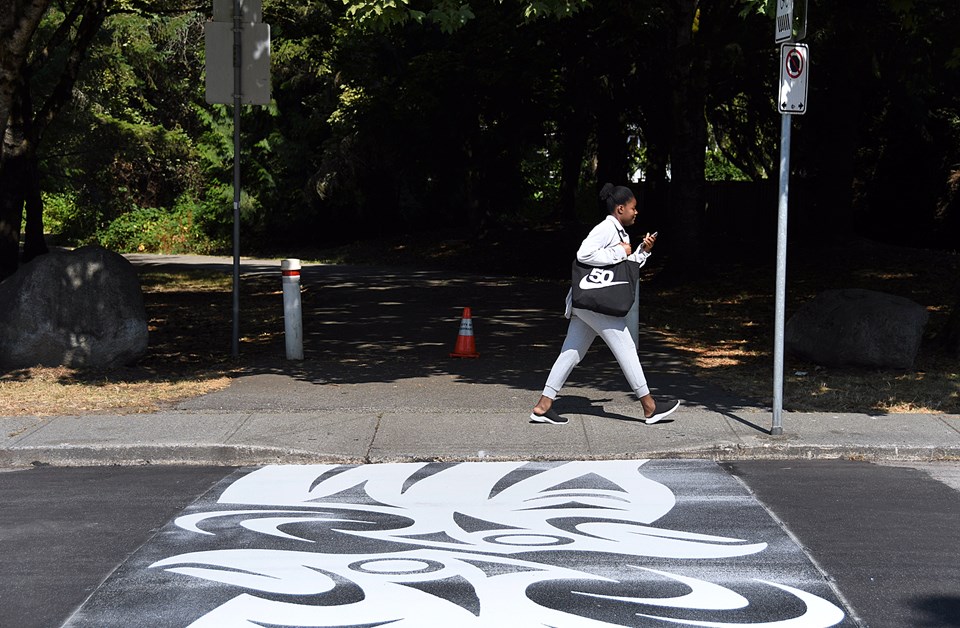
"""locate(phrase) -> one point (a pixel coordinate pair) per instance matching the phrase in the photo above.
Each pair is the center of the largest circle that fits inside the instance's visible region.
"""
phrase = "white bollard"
(292, 318)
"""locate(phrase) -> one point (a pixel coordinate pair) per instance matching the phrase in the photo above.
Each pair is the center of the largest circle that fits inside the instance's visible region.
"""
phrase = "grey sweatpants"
(584, 327)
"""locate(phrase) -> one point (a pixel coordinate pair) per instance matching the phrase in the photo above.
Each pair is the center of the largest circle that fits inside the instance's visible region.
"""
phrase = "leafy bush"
(153, 230)
(60, 212)
(718, 168)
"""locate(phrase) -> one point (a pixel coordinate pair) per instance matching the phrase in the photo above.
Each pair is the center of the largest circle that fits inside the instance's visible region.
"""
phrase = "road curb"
(243, 455)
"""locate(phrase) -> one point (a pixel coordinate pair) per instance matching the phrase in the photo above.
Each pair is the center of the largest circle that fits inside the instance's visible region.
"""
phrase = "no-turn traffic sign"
(794, 68)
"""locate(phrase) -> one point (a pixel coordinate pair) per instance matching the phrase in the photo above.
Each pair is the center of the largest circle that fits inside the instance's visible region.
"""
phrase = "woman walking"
(607, 243)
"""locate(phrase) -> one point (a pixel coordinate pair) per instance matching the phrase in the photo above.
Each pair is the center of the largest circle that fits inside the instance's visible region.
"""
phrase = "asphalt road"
(888, 536)
(64, 530)
(879, 542)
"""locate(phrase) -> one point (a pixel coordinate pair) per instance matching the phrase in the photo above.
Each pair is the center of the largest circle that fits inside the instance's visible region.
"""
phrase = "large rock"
(78, 308)
(856, 327)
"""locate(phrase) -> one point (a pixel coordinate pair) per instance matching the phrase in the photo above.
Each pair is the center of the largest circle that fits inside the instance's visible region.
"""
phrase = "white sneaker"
(662, 409)
(550, 416)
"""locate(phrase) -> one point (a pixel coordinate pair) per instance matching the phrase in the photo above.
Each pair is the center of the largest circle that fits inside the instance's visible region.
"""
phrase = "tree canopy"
(476, 117)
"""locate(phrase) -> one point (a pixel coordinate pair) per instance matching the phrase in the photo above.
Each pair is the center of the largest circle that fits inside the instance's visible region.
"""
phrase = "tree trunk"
(656, 133)
(612, 154)
(950, 335)
(19, 174)
(34, 243)
(13, 174)
(11, 212)
(574, 143)
(829, 155)
(18, 22)
(688, 191)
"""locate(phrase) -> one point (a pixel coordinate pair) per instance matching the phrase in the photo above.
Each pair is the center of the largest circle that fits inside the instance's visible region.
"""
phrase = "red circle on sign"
(794, 64)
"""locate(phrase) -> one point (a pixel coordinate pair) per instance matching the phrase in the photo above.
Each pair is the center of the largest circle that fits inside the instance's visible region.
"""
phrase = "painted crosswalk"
(503, 544)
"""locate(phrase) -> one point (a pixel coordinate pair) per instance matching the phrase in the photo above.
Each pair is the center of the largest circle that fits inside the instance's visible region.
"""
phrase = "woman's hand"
(648, 241)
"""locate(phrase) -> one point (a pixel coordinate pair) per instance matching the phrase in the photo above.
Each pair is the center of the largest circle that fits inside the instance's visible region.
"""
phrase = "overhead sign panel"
(784, 24)
(254, 64)
(791, 24)
(254, 54)
(250, 10)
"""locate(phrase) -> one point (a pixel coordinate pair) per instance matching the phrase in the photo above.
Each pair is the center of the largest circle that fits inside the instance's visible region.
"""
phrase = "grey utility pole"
(791, 26)
(237, 47)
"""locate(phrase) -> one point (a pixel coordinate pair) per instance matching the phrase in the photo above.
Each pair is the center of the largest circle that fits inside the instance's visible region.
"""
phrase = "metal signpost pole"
(777, 428)
(237, 50)
(237, 92)
(791, 25)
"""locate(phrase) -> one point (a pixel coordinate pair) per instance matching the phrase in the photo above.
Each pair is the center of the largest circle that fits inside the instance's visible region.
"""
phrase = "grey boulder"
(81, 308)
(855, 327)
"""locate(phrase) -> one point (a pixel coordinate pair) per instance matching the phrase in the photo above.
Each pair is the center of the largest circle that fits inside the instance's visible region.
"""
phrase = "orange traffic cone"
(466, 348)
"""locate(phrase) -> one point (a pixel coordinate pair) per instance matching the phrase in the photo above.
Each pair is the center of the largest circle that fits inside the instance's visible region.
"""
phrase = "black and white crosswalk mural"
(504, 544)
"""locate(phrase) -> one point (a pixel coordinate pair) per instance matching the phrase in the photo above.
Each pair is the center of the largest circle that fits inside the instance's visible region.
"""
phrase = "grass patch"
(64, 391)
(176, 303)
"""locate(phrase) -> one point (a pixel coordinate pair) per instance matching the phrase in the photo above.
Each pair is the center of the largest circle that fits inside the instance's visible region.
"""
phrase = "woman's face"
(627, 213)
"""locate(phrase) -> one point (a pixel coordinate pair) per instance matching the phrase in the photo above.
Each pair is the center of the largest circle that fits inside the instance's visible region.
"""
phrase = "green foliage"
(719, 168)
(59, 212)
(153, 230)
(383, 119)
(766, 8)
(381, 14)
(558, 8)
(449, 15)
(141, 136)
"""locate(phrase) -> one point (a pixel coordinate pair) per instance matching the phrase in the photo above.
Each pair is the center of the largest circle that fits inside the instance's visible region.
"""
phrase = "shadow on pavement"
(379, 325)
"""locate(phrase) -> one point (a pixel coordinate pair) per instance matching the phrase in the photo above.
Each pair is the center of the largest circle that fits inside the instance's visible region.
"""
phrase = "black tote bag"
(605, 289)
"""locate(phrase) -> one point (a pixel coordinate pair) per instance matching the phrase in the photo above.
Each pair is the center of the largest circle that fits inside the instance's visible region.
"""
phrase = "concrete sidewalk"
(401, 398)
(351, 435)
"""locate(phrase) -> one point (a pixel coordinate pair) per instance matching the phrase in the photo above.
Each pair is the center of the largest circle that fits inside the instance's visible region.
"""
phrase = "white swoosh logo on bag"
(586, 284)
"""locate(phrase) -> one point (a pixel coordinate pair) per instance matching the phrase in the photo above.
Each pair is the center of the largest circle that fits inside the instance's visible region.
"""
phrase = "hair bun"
(606, 191)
